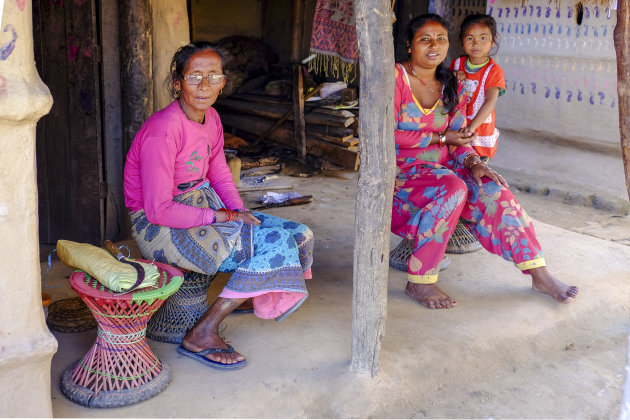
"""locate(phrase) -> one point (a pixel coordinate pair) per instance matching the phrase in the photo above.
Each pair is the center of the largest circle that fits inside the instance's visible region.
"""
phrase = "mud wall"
(26, 345)
(560, 69)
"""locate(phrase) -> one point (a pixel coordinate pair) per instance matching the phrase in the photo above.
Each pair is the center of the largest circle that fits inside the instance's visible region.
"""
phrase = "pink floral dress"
(433, 190)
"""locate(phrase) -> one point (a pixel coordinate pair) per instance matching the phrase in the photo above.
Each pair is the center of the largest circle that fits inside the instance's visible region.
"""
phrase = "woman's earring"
(221, 91)
(177, 93)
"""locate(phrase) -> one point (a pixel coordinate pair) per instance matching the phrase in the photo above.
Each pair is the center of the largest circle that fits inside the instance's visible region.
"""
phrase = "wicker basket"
(182, 310)
(399, 256)
(70, 316)
(462, 241)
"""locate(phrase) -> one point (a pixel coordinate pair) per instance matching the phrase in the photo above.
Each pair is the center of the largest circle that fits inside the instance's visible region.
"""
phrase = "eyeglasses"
(195, 79)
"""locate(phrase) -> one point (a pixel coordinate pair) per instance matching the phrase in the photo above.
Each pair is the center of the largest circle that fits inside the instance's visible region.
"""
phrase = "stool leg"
(182, 310)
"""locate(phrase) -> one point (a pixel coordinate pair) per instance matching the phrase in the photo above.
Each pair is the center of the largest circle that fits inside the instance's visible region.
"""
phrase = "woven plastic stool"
(181, 311)
(399, 256)
(120, 368)
(462, 241)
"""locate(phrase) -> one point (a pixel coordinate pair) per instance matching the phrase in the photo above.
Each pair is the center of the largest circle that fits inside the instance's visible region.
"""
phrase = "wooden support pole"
(298, 80)
(299, 125)
(376, 183)
(136, 62)
(297, 29)
(622, 47)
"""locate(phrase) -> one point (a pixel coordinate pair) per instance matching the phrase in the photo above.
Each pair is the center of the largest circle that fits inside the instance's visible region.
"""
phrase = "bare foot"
(205, 334)
(213, 341)
(429, 295)
(544, 282)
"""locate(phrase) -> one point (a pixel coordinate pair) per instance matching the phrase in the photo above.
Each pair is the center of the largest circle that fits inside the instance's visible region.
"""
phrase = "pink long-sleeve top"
(170, 150)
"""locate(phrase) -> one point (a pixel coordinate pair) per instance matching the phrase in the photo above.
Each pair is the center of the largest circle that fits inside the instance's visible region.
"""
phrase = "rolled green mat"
(102, 265)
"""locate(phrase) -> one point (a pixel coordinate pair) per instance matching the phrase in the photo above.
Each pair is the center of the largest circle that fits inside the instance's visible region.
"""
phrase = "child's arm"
(492, 96)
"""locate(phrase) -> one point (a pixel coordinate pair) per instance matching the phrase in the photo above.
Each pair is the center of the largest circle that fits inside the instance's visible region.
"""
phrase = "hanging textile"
(334, 40)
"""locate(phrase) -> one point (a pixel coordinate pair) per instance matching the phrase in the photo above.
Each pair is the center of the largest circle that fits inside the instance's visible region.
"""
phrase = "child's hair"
(481, 19)
(442, 73)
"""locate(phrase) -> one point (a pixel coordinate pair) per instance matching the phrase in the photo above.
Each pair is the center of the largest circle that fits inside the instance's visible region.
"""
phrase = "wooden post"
(297, 30)
(376, 183)
(136, 50)
(299, 125)
(622, 46)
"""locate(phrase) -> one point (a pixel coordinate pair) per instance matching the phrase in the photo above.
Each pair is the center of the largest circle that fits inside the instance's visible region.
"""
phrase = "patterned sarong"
(270, 262)
(334, 40)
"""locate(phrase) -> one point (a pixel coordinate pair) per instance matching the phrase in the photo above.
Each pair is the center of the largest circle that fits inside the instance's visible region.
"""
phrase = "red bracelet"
(231, 215)
(471, 155)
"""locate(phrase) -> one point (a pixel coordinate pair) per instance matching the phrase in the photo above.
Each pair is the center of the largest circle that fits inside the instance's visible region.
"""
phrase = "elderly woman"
(441, 179)
(186, 211)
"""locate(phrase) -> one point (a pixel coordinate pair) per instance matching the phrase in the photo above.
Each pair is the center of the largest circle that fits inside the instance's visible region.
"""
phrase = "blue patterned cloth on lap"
(282, 252)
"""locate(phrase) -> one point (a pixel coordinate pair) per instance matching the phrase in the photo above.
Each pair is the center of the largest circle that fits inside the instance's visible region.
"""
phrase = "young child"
(483, 80)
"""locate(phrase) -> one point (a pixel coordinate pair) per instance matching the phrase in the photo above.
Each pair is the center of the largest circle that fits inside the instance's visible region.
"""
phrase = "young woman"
(441, 179)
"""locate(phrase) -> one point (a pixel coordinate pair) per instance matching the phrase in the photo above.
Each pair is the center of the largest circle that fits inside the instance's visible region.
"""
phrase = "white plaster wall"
(561, 77)
(26, 345)
(170, 31)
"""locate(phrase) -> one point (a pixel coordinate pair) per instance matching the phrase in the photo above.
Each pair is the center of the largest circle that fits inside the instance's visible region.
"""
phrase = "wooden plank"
(278, 111)
(308, 106)
(374, 190)
(299, 124)
(342, 132)
(344, 142)
(284, 136)
(622, 48)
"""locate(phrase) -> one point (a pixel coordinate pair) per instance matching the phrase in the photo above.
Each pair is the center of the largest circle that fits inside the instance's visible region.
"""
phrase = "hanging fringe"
(333, 66)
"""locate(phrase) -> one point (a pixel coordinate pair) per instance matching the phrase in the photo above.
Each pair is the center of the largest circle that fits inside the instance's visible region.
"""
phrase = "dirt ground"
(503, 352)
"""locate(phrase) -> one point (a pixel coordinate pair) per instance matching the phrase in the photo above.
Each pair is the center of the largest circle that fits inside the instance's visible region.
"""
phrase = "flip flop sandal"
(199, 357)
(243, 311)
(291, 309)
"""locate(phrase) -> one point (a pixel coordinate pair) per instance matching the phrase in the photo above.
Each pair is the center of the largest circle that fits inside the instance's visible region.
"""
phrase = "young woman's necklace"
(422, 81)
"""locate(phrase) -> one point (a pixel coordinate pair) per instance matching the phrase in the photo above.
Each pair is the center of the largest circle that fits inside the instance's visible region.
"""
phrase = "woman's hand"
(481, 169)
(460, 137)
(244, 216)
(248, 218)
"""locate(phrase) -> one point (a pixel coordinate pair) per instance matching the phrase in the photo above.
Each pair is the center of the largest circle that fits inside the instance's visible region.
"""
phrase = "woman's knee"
(455, 187)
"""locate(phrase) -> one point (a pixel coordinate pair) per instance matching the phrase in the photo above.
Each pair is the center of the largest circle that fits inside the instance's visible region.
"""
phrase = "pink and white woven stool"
(120, 368)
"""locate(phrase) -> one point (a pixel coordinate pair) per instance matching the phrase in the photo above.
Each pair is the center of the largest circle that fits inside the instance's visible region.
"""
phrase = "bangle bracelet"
(231, 215)
(475, 163)
(471, 155)
(442, 139)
